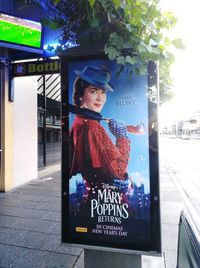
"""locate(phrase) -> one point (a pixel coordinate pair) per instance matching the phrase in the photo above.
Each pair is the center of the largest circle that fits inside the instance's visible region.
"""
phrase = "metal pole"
(1, 84)
(44, 122)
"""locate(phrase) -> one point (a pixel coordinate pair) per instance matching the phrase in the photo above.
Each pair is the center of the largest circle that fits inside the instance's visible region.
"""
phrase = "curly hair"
(79, 88)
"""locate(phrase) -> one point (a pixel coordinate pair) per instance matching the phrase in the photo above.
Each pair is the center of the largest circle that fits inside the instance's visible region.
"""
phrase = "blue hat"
(96, 76)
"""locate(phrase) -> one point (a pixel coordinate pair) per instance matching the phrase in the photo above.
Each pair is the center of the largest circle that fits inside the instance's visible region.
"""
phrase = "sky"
(185, 72)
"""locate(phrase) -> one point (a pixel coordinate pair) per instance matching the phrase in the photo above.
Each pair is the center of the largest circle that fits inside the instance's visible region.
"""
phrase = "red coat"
(94, 155)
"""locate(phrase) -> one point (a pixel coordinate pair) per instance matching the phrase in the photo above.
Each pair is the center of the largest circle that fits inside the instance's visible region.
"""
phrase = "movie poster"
(108, 176)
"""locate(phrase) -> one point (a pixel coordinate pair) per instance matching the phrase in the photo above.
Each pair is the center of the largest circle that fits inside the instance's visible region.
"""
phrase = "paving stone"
(170, 229)
(6, 221)
(65, 249)
(23, 212)
(31, 204)
(39, 241)
(38, 192)
(173, 206)
(19, 196)
(171, 195)
(170, 259)
(14, 257)
(169, 218)
(43, 187)
(170, 242)
(51, 207)
(9, 236)
(55, 228)
(80, 261)
(171, 212)
(49, 199)
(34, 225)
(151, 261)
(9, 201)
(43, 259)
(9, 256)
(52, 216)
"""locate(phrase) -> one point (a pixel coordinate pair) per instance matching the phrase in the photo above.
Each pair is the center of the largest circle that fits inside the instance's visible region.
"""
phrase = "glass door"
(49, 124)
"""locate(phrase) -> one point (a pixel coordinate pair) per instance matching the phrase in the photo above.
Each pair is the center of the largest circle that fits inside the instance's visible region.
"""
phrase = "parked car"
(185, 137)
(188, 242)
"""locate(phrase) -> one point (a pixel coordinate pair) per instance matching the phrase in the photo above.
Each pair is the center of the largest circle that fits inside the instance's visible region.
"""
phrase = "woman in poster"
(92, 152)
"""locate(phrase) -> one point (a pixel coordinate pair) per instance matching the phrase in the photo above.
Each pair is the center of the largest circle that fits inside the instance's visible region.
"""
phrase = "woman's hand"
(139, 129)
(118, 129)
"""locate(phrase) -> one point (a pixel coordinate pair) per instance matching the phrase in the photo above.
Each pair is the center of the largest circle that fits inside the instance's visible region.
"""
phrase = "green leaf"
(149, 48)
(121, 60)
(111, 52)
(178, 43)
(167, 41)
(92, 2)
(93, 22)
(117, 3)
(116, 40)
(56, 2)
(52, 24)
(142, 47)
(131, 60)
(156, 50)
(143, 69)
(156, 1)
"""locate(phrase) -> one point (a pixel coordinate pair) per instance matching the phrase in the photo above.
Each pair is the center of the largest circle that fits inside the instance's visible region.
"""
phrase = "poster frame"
(154, 247)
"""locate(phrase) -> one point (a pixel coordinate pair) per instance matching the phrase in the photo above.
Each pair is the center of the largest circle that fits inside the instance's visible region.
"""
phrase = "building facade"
(30, 133)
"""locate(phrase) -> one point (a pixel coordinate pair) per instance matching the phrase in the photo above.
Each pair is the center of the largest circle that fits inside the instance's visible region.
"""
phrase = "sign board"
(21, 34)
(35, 68)
(110, 176)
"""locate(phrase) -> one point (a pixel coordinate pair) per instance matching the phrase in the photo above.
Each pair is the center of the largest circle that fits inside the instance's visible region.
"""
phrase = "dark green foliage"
(116, 25)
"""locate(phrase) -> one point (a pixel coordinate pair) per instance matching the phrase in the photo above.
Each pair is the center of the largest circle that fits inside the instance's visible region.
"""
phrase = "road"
(182, 158)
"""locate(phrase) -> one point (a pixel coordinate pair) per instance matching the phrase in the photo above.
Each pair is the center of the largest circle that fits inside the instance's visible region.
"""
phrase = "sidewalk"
(30, 225)
(171, 207)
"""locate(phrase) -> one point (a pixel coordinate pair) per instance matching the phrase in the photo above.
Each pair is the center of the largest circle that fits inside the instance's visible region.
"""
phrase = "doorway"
(49, 120)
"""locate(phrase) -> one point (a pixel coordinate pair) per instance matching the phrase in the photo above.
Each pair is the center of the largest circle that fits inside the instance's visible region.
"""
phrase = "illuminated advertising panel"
(110, 182)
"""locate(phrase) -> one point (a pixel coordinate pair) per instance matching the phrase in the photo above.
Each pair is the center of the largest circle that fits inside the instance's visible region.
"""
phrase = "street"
(181, 158)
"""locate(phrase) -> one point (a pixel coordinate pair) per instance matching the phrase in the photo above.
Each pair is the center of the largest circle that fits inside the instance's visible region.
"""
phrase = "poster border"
(154, 247)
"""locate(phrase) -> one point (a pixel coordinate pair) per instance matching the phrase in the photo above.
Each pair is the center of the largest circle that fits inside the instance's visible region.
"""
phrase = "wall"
(25, 129)
(6, 172)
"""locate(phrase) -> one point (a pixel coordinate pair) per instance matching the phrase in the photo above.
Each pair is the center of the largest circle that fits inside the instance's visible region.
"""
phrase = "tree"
(119, 24)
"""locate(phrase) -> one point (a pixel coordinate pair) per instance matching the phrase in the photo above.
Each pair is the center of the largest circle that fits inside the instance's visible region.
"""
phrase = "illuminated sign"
(36, 67)
(110, 174)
